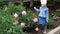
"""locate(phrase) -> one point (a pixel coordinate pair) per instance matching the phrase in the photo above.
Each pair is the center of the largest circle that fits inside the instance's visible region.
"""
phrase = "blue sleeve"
(47, 14)
(37, 9)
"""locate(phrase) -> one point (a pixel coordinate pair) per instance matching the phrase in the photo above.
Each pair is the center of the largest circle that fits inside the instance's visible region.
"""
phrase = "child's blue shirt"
(43, 12)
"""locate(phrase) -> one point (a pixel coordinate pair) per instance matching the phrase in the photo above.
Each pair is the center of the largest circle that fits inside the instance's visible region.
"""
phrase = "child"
(43, 14)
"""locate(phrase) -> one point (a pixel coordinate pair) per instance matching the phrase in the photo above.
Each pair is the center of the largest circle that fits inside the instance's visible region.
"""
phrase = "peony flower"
(15, 23)
(15, 15)
(36, 29)
(23, 12)
(35, 20)
(22, 23)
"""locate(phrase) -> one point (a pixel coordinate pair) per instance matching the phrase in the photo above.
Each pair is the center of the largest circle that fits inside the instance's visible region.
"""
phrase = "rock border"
(54, 30)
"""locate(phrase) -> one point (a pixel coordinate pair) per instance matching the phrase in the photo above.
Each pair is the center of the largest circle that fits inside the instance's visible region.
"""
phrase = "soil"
(30, 30)
(38, 32)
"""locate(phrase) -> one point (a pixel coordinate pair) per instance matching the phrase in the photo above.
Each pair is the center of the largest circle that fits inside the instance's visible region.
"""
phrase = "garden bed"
(11, 17)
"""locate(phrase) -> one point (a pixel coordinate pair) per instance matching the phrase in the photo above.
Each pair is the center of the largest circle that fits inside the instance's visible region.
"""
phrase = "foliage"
(52, 23)
(7, 19)
(1, 0)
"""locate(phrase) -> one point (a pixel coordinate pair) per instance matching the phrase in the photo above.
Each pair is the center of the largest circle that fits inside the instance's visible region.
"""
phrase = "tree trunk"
(31, 3)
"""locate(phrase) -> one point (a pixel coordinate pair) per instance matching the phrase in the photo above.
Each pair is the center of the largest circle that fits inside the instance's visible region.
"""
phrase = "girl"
(43, 14)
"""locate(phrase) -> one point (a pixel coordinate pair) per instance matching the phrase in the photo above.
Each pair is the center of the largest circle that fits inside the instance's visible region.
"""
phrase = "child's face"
(43, 5)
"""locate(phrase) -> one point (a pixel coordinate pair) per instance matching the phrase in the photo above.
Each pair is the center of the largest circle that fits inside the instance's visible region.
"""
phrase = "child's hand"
(47, 20)
(34, 7)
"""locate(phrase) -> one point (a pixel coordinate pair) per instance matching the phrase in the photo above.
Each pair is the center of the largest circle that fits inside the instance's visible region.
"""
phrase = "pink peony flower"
(22, 23)
(36, 29)
(15, 23)
(15, 15)
(35, 20)
(23, 12)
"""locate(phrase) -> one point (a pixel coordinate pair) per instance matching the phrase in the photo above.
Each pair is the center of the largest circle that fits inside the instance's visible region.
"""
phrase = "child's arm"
(47, 15)
(36, 9)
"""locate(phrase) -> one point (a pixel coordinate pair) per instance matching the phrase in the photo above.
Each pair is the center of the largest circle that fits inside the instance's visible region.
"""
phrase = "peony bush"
(13, 18)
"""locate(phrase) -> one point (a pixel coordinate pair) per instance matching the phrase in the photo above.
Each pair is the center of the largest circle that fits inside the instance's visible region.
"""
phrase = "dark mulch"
(30, 30)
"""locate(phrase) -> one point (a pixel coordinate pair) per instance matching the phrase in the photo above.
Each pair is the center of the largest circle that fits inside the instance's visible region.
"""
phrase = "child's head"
(43, 3)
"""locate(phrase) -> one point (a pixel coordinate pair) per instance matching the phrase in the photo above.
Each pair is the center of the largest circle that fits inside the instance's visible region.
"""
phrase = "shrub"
(11, 25)
(7, 19)
(52, 24)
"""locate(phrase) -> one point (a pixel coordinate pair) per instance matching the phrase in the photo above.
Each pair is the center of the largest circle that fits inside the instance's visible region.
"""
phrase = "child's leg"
(45, 28)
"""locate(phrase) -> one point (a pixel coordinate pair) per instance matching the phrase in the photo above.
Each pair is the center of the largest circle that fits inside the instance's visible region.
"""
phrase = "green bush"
(1, 0)
(52, 24)
(7, 19)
